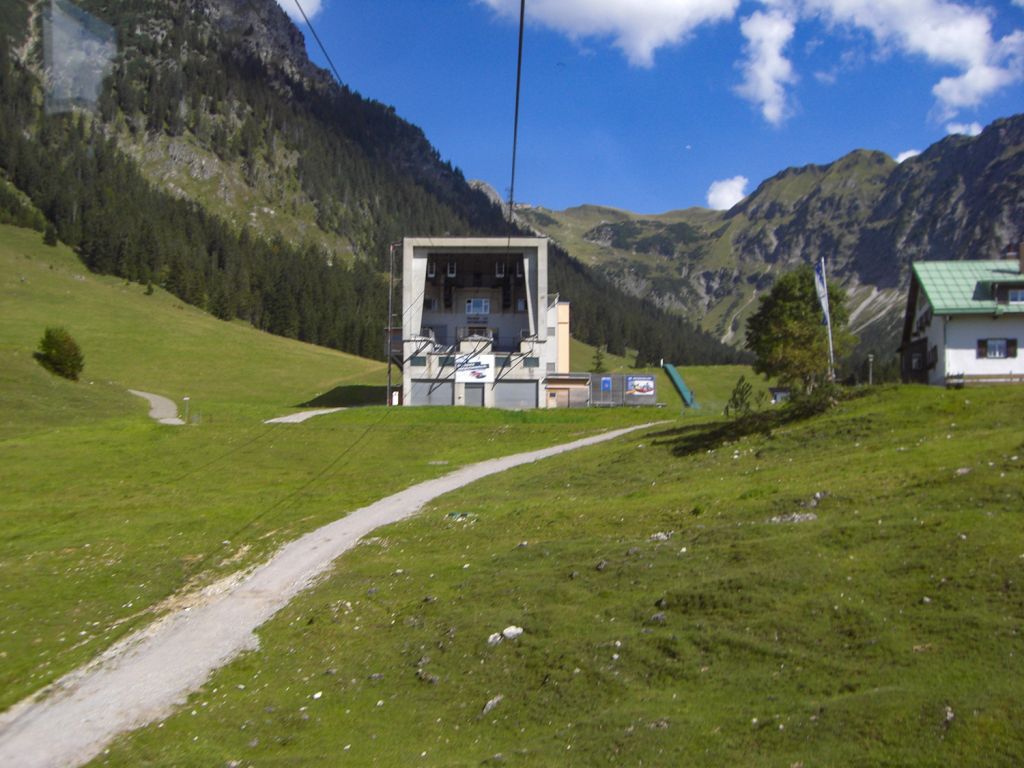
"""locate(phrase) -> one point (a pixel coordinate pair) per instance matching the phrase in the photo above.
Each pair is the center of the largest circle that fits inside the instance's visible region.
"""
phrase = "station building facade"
(479, 327)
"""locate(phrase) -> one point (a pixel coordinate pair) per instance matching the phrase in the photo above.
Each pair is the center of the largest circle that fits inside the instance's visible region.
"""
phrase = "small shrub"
(50, 235)
(60, 354)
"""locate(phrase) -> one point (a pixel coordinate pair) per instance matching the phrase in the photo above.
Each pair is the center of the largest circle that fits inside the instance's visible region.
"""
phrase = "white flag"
(822, 288)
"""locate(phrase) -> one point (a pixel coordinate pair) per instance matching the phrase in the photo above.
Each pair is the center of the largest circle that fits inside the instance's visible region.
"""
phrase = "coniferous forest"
(372, 177)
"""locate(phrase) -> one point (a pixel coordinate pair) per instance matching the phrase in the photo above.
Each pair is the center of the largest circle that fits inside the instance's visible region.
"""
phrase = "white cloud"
(638, 27)
(725, 193)
(767, 72)
(967, 129)
(311, 7)
(951, 34)
(907, 154)
(956, 35)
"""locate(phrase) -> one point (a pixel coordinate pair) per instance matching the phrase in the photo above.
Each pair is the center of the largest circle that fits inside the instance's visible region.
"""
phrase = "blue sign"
(606, 383)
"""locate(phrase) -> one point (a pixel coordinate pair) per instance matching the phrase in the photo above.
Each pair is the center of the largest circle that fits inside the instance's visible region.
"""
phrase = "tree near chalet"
(788, 333)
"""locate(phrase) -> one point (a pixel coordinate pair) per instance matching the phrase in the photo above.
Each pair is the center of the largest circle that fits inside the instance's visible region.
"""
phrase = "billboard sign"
(606, 383)
(640, 386)
(474, 369)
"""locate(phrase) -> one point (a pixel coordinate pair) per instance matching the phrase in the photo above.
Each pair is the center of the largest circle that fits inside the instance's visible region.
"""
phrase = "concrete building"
(963, 322)
(479, 327)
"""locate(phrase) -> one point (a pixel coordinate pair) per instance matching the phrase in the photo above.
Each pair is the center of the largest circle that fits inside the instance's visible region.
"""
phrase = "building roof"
(967, 287)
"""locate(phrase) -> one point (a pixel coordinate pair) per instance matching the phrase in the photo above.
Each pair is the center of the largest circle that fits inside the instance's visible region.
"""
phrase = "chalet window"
(451, 269)
(520, 305)
(499, 269)
(431, 269)
(478, 306)
(933, 357)
(916, 361)
(430, 304)
(997, 349)
(1016, 296)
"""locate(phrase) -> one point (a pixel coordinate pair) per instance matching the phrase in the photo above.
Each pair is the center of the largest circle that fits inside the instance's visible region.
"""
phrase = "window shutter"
(982, 348)
(1011, 347)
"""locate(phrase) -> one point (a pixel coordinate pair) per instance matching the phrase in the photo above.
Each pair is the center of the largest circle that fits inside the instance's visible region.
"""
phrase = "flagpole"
(828, 323)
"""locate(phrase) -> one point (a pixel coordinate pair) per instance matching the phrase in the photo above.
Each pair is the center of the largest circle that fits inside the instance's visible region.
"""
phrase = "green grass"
(885, 631)
(106, 513)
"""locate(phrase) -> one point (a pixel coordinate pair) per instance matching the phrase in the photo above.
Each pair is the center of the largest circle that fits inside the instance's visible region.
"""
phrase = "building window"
(431, 269)
(520, 305)
(916, 361)
(430, 304)
(997, 349)
(478, 306)
(447, 361)
(418, 361)
(1016, 295)
(531, 362)
(502, 361)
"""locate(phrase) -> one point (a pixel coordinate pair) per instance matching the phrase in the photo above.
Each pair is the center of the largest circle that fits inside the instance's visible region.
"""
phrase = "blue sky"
(653, 105)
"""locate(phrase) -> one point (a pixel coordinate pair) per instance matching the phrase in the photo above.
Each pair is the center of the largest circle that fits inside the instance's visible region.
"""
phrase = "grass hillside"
(832, 590)
(106, 513)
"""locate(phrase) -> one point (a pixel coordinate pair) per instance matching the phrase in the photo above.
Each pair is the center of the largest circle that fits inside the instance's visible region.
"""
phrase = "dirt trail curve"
(145, 676)
(160, 408)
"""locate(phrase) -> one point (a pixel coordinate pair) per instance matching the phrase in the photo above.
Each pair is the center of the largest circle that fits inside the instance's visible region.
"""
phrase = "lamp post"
(186, 399)
(391, 295)
(871, 369)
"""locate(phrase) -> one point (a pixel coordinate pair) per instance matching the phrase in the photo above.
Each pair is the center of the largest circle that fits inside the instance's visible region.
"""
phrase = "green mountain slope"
(869, 216)
(225, 167)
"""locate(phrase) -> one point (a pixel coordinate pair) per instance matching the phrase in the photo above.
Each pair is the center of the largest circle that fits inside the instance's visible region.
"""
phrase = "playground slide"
(680, 385)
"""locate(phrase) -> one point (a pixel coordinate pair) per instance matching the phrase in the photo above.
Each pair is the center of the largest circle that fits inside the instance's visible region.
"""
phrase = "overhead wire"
(316, 37)
(515, 119)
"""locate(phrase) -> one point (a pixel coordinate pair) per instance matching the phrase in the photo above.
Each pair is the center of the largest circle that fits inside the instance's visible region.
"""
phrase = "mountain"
(870, 217)
(221, 164)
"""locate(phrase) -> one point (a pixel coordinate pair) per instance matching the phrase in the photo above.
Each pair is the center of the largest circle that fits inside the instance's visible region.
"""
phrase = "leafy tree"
(50, 235)
(597, 364)
(788, 335)
(60, 354)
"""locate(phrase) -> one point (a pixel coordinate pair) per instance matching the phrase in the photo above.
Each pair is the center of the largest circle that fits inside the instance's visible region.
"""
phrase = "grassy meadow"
(838, 589)
(843, 589)
(106, 513)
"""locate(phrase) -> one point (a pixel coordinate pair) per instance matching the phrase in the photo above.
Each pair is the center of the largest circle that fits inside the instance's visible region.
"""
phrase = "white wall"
(962, 334)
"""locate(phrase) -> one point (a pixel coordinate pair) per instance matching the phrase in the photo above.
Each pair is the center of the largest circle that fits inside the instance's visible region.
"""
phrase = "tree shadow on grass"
(701, 438)
(349, 396)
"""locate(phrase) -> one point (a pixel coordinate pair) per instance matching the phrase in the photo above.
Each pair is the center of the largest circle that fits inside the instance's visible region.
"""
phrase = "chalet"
(964, 321)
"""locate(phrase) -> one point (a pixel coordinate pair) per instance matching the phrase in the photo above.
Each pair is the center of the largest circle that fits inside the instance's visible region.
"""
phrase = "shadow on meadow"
(700, 438)
(349, 396)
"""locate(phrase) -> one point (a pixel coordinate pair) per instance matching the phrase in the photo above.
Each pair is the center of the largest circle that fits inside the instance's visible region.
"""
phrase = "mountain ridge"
(868, 215)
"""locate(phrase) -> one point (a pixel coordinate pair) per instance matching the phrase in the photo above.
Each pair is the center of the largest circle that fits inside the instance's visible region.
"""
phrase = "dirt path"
(144, 677)
(160, 408)
(301, 416)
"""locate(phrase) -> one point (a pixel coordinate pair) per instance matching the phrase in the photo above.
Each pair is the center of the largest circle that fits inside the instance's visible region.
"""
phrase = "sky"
(656, 105)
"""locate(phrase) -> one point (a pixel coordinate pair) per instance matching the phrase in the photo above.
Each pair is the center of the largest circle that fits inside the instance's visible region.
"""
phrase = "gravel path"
(144, 677)
(301, 416)
(160, 408)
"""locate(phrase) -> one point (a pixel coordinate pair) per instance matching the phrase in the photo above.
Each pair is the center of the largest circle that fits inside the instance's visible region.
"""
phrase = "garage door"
(430, 392)
(515, 395)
